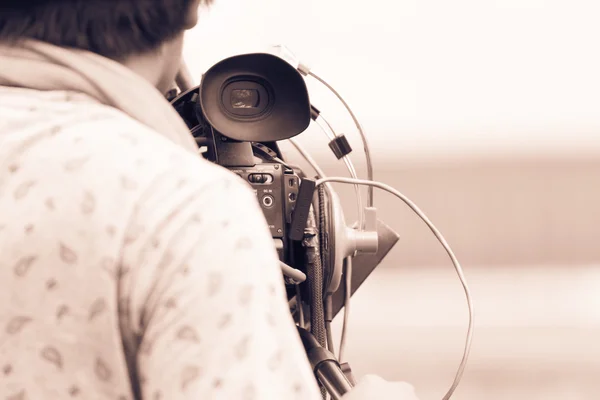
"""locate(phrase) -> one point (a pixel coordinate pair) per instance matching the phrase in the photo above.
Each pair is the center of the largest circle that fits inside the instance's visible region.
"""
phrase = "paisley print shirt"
(130, 268)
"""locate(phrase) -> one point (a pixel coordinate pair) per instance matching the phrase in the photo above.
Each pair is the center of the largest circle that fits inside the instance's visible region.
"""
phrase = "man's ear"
(192, 13)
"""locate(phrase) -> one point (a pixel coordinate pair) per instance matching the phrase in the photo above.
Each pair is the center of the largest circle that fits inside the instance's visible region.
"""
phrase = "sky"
(432, 78)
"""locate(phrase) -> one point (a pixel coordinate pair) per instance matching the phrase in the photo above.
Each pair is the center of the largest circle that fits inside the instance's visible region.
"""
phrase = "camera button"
(260, 178)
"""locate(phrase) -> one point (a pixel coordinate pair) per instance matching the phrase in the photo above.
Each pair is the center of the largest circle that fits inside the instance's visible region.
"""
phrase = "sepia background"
(486, 113)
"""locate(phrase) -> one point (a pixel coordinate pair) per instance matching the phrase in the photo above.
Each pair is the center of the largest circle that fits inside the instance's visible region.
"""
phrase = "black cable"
(323, 236)
(315, 283)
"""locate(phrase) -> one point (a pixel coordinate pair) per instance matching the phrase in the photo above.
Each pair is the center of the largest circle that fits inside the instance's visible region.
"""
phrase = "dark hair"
(111, 28)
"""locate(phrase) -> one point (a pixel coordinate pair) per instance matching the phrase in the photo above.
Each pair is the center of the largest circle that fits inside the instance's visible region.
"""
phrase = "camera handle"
(326, 368)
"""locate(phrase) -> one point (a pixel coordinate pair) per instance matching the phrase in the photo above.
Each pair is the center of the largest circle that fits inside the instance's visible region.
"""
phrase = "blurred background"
(486, 113)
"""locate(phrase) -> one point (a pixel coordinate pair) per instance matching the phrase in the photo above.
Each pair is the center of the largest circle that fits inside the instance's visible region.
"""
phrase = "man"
(130, 268)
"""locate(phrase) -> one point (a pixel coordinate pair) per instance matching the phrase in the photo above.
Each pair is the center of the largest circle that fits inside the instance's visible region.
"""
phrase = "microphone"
(325, 366)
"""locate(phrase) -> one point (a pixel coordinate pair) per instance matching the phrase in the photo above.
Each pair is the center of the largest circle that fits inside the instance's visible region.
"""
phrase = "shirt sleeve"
(203, 310)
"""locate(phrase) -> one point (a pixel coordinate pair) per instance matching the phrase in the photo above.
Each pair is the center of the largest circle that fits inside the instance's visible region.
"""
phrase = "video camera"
(242, 108)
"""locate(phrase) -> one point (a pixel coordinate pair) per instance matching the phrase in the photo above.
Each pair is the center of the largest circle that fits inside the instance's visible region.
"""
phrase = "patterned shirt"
(130, 268)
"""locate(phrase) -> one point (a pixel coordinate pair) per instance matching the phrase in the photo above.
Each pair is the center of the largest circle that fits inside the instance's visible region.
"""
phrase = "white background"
(433, 77)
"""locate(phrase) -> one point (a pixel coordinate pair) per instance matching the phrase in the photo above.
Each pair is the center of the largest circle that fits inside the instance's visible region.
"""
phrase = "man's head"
(146, 35)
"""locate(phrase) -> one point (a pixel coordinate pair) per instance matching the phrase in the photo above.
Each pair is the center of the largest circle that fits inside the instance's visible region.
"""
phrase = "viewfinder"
(245, 98)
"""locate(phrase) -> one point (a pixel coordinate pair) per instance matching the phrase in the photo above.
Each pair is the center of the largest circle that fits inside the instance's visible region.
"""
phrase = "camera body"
(242, 108)
(276, 189)
(258, 162)
(276, 186)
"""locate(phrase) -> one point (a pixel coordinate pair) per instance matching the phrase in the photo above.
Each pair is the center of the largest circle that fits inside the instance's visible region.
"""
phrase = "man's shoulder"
(95, 143)
(121, 144)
